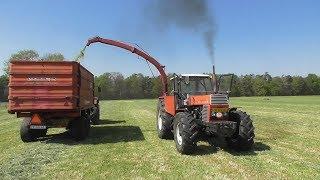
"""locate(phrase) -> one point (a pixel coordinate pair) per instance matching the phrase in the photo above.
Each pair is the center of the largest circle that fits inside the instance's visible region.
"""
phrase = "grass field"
(287, 146)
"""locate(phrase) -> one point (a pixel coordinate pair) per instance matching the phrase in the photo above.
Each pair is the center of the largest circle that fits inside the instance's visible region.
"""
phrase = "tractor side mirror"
(99, 89)
(228, 94)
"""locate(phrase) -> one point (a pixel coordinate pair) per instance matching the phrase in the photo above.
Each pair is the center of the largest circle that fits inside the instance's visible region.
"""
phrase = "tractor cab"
(199, 89)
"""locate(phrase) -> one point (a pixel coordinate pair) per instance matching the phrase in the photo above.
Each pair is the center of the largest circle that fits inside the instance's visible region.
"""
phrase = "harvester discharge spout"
(137, 51)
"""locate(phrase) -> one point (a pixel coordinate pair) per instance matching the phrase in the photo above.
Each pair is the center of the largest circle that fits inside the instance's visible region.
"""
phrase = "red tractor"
(196, 108)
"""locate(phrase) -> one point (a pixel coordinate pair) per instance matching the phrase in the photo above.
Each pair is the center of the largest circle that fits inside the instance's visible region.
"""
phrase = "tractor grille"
(219, 99)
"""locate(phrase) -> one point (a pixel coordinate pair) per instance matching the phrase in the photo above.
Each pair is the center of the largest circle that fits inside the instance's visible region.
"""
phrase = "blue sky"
(279, 37)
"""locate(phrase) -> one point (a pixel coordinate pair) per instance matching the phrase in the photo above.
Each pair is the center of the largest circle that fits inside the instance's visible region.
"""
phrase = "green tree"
(246, 86)
(276, 86)
(134, 86)
(156, 87)
(53, 57)
(3, 88)
(147, 87)
(118, 85)
(261, 86)
(287, 85)
(313, 84)
(299, 86)
(235, 89)
(25, 55)
(105, 83)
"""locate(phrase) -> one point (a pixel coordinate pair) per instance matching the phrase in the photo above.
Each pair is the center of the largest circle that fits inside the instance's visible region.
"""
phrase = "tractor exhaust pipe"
(214, 79)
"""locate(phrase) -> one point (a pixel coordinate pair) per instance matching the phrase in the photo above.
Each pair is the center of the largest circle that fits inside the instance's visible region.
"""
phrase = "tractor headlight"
(219, 115)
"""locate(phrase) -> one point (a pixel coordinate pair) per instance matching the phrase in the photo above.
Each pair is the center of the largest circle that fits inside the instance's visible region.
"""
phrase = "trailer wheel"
(26, 134)
(96, 117)
(79, 128)
(163, 122)
(40, 132)
(186, 132)
(242, 140)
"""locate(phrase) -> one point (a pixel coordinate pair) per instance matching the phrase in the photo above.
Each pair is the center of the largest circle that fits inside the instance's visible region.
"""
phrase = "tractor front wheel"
(163, 122)
(186, 132)
(242, 140)
(79, 128)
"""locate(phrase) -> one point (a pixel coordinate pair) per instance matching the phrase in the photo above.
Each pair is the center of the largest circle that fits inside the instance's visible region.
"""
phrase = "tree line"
(114, 85)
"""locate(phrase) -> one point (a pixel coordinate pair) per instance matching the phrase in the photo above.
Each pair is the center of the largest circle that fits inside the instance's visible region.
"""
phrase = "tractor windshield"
(196, 85)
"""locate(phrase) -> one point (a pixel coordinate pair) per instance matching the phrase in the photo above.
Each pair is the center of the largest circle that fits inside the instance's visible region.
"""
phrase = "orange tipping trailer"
(52, 94)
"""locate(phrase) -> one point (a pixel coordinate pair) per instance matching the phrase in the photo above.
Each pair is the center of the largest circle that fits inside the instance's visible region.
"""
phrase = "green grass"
(126, 146)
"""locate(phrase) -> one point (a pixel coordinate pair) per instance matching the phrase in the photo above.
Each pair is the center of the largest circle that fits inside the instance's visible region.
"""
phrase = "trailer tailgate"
(43, 86)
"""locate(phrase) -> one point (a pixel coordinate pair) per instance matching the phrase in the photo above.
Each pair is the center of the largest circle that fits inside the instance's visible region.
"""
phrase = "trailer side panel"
(49, 86)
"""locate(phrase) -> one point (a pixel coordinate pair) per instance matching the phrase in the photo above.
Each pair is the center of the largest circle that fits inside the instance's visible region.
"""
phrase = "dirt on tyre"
(79, 128)
(186, 133)
(163, 122)
(243, 138)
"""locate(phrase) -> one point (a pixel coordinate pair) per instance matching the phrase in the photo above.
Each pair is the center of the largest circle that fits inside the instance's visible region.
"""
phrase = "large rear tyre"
(79, 128)
(163, 122)
(186, 133)
(243, 138)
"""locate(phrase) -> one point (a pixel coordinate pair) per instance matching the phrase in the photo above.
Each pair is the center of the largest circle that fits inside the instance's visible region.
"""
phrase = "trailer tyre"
(79, 129)
(96, 117)
(243, 138)
(163, 122)
(26, 134)
(186, 133)
(40, 132)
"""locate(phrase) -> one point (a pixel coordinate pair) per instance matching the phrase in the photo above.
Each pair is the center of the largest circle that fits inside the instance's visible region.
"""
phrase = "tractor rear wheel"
(163, 122)
(242, 140)
(79, 128)
(186, 132)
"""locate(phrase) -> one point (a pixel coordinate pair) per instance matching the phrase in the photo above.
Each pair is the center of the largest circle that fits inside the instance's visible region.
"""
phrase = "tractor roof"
(196, 75)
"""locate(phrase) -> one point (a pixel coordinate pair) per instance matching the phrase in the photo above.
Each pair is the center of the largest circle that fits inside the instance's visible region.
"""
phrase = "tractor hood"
(211, 99)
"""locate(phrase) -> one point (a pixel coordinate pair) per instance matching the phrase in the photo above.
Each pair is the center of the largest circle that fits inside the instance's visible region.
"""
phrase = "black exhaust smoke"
(190, 15)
